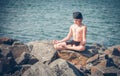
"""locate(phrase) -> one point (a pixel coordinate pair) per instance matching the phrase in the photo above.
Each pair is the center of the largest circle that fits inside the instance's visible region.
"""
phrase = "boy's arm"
(84, 36)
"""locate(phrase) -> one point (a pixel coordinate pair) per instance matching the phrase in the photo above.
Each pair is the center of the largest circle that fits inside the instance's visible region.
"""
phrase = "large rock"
(110, 64)
(26, 58)
(42, 50)
(63, 68)
(5, 40)
(4, 50)
(104, 71)
(39, 69)
(17, 50)
(7, 61)
(11, 55)
(7, 65)
(73, 57)
(114, 53)
(114, 50)
(17, 58)
(89, 55)
(20, 71)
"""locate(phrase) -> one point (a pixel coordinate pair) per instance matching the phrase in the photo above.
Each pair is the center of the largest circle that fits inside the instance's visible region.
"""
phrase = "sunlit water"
(29, 20)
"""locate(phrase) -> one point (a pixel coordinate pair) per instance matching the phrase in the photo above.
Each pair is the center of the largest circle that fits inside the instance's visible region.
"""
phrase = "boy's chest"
(77, 30)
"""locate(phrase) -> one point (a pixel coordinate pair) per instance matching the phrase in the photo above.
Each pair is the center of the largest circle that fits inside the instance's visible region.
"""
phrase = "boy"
(78, 33)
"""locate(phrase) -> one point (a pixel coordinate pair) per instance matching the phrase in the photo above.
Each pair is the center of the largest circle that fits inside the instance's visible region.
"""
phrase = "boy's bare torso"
(77, 32)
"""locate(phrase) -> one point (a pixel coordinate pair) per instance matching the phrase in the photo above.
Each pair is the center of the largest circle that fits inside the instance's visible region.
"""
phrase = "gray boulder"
(7, 61)
(104, 71)
(110, 64)
(42, 50)
(26, 58)
(17, 50)
(39, 69)
(114, 53)
(6, 40)
(63, 68)
(11, 55)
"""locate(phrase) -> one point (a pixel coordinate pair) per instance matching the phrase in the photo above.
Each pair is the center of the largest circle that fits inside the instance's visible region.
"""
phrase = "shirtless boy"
(78, 33)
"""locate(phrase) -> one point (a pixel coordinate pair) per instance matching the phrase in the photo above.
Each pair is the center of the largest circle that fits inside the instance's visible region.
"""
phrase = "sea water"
(29, 20)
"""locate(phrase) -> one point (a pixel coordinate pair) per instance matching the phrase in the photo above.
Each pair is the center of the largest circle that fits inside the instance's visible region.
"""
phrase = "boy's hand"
(55, 41)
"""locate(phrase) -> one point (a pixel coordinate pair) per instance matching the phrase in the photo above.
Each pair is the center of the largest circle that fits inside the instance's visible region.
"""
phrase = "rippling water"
(29, 20)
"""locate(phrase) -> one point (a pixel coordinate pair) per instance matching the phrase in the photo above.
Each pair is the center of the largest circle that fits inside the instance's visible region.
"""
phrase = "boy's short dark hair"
(77, 15)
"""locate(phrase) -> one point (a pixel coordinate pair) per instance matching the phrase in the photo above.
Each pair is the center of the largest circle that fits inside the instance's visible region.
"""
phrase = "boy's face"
(77, 21)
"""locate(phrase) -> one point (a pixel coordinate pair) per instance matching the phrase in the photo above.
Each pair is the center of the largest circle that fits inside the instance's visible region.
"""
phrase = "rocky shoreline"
(39, 58)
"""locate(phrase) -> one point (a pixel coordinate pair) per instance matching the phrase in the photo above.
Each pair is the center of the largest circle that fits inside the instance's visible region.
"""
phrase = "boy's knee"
(82, 48)
(59, 46)
(55, 46)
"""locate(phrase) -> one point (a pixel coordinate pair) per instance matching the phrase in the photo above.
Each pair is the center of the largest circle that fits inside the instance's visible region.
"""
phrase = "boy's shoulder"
(84, 26)
(72, 26)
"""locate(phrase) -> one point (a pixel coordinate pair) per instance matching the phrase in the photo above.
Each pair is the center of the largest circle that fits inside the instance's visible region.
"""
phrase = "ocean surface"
(29, 20)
